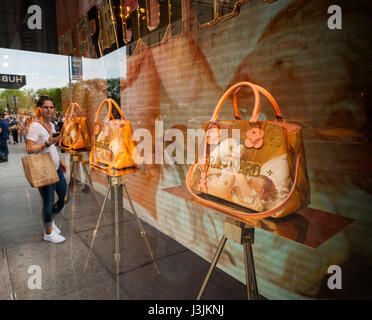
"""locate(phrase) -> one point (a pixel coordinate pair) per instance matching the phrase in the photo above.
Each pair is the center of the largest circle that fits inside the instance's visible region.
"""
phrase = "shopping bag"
(39, 169)
(251, 168)
(113, 147)
(75, 133)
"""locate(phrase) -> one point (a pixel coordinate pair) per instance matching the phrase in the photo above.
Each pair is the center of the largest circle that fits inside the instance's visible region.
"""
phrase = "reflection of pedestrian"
(40, 140)
(14, 129)
(4, 135)
(60, 122)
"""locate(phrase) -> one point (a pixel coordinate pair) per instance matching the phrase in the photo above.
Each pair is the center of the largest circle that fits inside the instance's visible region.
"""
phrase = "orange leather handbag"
(75, 133)
(113, 147)
(250, 168)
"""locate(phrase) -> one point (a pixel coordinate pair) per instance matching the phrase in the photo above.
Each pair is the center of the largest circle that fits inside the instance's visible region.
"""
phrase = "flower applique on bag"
(113, 148)
(256, 173)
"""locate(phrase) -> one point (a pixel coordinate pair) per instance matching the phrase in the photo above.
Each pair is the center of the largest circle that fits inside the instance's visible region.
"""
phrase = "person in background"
(20, 130)
(40, 140)
(4, 136)
(60, 122)
(14, 127)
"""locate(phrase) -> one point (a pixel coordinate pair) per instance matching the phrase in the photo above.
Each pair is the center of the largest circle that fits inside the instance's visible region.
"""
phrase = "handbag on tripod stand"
(113, 147)
(260, 171)
(75, 133)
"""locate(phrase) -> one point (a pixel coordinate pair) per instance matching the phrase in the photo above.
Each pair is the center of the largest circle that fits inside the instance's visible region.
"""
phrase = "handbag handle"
(259, 215)
(71, 109)
(256, 111)
(109, 103)
(228, 93)
(37, 111)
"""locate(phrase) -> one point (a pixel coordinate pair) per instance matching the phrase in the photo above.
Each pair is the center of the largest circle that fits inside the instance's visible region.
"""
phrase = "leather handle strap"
(230, 91)
(62, 133)
(110, 102)
(115, 105)
(259, 215)
(109, 106)
(37, 111)
(72, 108)
(68, 111)
(256, 111)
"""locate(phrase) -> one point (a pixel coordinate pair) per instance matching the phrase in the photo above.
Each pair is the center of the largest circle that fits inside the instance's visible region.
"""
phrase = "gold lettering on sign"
(60, 45)
(65, 45)
(176, 17)
(149, 21)
(210, 12)
(94, 32)
(108, 35)
(82, 31)
(152, 14)
(128, 14)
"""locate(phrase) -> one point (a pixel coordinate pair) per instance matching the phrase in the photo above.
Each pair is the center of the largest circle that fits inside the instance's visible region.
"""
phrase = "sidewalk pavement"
(62, 265)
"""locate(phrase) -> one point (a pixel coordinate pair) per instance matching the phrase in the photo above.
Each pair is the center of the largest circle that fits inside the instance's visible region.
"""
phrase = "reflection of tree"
(6, 100)
(113, 89)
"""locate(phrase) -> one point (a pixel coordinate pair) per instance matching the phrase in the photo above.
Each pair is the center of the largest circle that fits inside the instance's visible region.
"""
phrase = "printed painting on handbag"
(113, 146)
(75, 133)
(251, 168)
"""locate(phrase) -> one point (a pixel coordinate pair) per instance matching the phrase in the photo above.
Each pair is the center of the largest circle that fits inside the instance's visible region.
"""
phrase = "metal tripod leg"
(250, 272)
(70, 182)
(117, 241)
(97, 226)
(213, 264)
(73, 210)
(241, 234)
(143, 232)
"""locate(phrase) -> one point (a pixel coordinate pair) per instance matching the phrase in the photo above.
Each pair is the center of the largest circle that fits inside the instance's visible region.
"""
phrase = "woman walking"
(40, 140)
(14, 127)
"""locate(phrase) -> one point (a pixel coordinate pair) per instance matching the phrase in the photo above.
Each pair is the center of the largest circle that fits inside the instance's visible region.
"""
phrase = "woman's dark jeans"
(47, 193)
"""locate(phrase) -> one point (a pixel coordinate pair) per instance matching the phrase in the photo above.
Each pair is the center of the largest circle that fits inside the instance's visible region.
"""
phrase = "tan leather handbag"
(251, 168)
(113, 146)
(75, 133)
